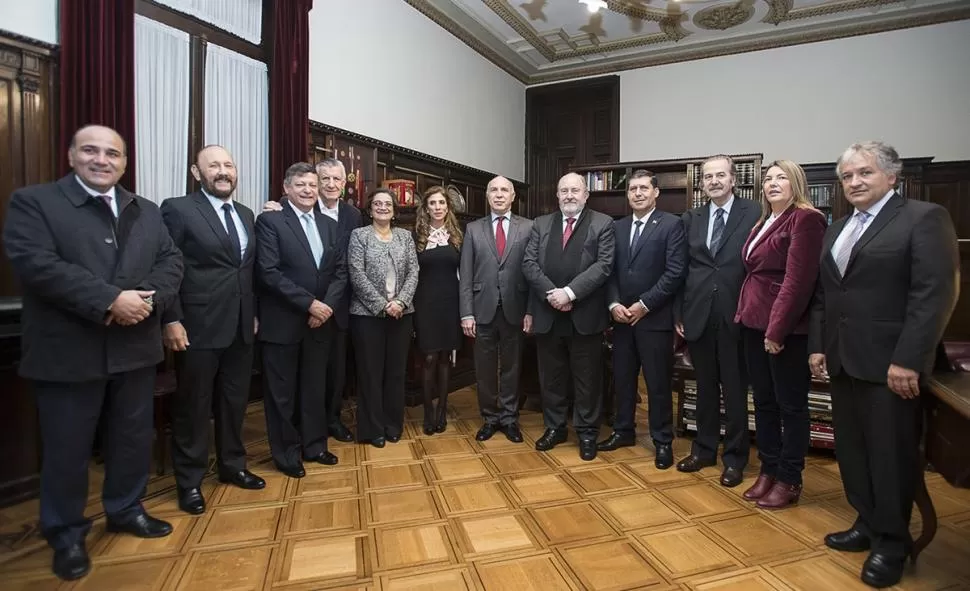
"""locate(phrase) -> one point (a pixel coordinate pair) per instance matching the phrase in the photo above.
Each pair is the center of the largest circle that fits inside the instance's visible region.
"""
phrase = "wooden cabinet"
(679, 181)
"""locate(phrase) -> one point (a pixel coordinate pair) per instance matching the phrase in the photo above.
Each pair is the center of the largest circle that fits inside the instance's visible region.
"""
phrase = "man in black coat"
(648, 270)
(716, 232)
(94, 261)
(211, 326)
(888, 283)
(301, 274)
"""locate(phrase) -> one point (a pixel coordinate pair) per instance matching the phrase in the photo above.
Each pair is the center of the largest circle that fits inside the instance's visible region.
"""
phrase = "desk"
(948, 426)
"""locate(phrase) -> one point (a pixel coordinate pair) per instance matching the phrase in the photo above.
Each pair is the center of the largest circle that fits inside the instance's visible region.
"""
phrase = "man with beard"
(567, 262)
(211, 327)
(333, 179)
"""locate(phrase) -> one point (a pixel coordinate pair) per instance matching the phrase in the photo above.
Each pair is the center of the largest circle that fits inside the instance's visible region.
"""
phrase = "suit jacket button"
(715, 288)
(717, 268)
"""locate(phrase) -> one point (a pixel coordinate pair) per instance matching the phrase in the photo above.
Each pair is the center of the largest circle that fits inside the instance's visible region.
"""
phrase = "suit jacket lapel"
(488, 235)
(648, 229)
(888, 212)
(732, 222)
(212, 218)
(701, 228)
(297, 227)
(251, 236)
(764, 238)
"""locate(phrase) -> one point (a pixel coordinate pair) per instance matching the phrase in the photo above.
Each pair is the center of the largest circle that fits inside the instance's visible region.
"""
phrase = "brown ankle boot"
(780, 496)
(761, 487)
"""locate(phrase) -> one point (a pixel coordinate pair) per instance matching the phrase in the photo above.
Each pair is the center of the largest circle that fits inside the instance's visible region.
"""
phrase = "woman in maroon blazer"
(781, 256)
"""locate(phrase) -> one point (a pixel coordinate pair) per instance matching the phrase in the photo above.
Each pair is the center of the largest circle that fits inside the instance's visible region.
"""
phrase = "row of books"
(605, 180)
(699, 198)
(820, 195)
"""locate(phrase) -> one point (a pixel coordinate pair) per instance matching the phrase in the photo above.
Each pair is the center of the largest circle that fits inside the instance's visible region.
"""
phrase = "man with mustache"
(211, 327)
(716, 232)
(567, 261)
(94, 261)
(333, 179)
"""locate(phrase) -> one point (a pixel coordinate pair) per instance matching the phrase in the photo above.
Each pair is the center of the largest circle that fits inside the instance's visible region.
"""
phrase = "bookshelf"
(679, 180)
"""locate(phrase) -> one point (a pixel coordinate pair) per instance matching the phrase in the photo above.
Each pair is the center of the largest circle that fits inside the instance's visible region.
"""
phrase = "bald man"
(95, 262)
(567, 263)
(493, 304)
(211, 327)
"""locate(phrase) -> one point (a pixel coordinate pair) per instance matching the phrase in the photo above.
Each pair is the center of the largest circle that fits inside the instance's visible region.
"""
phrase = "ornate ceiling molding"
(671, 25)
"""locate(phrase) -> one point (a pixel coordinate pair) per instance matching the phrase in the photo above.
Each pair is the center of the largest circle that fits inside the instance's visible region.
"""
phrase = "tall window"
(201, 79)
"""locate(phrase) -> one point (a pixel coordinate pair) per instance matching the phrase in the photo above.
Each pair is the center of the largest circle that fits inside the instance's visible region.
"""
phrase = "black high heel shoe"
(442, 418)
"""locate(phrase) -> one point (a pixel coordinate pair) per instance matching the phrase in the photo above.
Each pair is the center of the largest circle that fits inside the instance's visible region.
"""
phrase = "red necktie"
(500, 237)
(568, 232)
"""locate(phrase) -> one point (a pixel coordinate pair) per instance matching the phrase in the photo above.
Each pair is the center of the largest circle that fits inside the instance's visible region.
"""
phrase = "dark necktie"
(231, 229)
(568, 232)
(500, 236)
(636, 234)
(718, 230)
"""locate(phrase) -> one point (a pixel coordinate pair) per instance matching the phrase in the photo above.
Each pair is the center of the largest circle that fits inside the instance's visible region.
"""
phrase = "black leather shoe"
(851, 540)
(191, 501)
(292, 471)
(393, 438)
(442, 425)
(486, 432)
(694, 463)
(429, 429)
(550, 439)
(880, 570)
(340, 432)
(71, 563)
(325, 457)
(732, 476)
(512, 433)
(616, 441)
(143, 526)
(587, 450)
(664, 457)
(243, 479)
(377, 442)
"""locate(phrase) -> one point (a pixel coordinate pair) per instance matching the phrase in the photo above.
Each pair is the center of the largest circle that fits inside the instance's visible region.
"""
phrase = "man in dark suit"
(94, 261)
(887, 287)
(216, 307)
(649, 268)
(301, 274)
(494, 297)
(333, 178)
(567, 262)
(706, 307)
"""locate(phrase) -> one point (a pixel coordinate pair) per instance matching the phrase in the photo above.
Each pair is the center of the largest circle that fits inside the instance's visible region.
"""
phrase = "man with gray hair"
(887, 286)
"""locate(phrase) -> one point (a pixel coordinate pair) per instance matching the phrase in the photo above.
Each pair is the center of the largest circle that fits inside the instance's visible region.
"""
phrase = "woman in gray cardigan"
(383, 267)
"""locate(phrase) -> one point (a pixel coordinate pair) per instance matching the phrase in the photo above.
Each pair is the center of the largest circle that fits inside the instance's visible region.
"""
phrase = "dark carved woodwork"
(948, 184)
(568, 125)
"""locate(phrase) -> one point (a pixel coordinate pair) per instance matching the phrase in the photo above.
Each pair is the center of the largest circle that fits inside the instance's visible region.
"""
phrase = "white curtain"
(237, 117)
(243, 18)
(161, 110)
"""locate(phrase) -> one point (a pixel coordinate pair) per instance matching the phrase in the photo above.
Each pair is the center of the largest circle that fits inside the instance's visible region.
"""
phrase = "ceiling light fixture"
(593, 6)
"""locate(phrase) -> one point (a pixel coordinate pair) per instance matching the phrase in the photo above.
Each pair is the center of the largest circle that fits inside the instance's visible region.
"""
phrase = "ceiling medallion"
(724, 16)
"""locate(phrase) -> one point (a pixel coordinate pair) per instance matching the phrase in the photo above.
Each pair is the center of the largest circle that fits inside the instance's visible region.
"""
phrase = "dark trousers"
(634, 348)
(498, 359)
(336, 376)
(720, 371)
(781, 383)
(216, 381)
(294, 380)
(877, 436)
(381, 347)
(578, 356)
(69, 414)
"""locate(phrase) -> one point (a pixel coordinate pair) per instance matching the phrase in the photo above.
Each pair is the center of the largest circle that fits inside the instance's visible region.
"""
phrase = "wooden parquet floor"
(449, 513)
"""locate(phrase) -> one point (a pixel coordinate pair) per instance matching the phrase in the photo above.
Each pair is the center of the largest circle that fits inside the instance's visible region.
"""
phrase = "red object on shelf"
(403, 188)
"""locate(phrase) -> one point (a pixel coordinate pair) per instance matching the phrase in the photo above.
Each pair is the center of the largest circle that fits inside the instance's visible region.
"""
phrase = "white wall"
(382, 69)
(807, 103)
(36, 19)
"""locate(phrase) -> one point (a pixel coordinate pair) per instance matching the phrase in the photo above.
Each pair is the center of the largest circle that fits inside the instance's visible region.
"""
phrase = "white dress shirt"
(110, 193)
(764, 228)
(710, 219)
(508, 218)
(643, 228)
(332, 213)
(236, 220)
(847, 228)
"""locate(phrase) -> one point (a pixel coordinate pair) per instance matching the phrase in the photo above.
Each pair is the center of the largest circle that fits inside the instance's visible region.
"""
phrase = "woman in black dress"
(437, 323)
